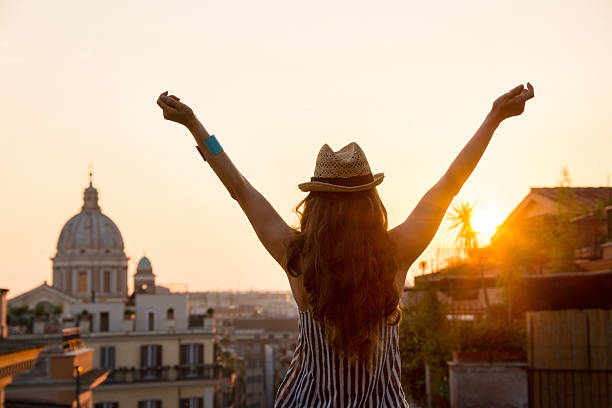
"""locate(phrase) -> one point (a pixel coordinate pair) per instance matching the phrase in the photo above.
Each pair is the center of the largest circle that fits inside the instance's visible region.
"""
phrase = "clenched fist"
(512, 103)
(174, 109)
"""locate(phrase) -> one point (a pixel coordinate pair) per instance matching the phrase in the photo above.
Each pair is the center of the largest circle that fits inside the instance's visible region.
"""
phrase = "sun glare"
(484, 222)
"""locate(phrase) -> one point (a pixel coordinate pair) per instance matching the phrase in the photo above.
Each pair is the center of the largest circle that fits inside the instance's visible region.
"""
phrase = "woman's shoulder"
(299, 292)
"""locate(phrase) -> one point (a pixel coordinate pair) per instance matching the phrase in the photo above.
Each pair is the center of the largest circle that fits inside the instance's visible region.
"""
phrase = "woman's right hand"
(512, 103)
(175, 110)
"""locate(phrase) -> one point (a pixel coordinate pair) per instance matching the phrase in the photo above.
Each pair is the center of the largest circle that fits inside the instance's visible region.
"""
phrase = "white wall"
(115, 313)
(159, 305)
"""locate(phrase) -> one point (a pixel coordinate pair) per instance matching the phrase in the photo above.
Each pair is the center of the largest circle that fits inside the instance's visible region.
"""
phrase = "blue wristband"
(213, 145)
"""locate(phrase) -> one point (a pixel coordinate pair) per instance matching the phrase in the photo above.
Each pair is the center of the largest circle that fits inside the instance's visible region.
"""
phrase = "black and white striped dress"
(317, 377)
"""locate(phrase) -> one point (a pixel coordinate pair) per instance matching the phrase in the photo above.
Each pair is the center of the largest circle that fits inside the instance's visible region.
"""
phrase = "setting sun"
(484, 222)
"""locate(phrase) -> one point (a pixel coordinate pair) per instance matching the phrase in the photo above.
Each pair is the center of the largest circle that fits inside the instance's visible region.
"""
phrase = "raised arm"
(416, 232)
(270, 228)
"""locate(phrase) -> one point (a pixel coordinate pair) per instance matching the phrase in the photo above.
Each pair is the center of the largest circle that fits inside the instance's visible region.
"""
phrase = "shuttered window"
(192, 402)
(106, 404)
(191, 359)
(192, 353)
(150, 355)
(150, 403)
(107, 357)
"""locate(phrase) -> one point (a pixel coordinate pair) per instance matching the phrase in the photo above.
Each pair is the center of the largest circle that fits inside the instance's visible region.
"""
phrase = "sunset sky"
(274, 80)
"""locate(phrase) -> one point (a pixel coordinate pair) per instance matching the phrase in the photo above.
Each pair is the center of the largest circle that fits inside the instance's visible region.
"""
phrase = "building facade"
(90, 258)
(143, 340)
(158, 369)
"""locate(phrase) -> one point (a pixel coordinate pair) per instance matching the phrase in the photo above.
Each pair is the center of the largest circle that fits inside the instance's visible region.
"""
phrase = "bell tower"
(144, 279)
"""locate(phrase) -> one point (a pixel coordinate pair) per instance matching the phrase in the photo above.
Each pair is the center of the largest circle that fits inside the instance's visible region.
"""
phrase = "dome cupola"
(144, 278)
(90, 254)
(90, 229)
(90, 198)
(144, 266)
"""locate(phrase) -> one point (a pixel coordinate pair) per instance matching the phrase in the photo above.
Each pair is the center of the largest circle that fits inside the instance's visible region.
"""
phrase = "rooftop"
(12, 346)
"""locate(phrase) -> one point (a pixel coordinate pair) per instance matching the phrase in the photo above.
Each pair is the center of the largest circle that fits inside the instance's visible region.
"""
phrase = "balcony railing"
(590, 252)
(189, 371)
(181, 372)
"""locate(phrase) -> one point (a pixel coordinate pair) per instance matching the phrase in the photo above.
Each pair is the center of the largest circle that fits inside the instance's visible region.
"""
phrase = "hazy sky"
(274, 80)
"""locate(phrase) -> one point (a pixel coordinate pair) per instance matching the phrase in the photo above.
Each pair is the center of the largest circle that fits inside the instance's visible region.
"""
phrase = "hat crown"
(350, 161)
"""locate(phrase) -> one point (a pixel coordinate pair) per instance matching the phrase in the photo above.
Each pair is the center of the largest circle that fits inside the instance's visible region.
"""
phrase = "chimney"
(3, 312)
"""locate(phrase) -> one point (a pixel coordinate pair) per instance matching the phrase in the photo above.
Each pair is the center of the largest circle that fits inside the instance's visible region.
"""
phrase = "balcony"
(590, 252)
(183, 372)
(190, 371)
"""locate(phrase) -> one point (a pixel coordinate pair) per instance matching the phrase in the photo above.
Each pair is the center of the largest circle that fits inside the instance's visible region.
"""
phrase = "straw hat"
(345, 170)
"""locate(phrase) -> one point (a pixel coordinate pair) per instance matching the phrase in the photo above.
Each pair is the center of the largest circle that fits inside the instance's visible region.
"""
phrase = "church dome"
(144, 266)
(90, 229)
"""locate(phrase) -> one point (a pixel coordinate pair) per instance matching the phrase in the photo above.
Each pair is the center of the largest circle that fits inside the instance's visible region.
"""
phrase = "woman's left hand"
(512, 103)
(175, 110)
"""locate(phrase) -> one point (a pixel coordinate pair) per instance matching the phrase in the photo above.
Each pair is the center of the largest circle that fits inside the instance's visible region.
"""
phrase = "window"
(191, 356)
(150, 355)
(107, 357)
(151, 362)
(104, 321)
(106, 282)
(151, 321)
(107, 404)
(150, 403)
(191, 402)
(82, 282)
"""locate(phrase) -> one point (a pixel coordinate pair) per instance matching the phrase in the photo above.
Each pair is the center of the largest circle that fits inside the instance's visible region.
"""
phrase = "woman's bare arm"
(416, 232)
(270, 228)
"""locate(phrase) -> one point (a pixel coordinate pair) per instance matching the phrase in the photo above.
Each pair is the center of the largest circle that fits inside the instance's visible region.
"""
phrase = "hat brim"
(321, 186)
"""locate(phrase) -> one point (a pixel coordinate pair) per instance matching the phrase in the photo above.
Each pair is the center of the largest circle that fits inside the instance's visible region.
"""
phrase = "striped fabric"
(317, 377)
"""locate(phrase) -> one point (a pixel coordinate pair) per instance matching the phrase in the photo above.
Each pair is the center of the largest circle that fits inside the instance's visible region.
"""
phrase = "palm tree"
(461, 217)
(467, 240)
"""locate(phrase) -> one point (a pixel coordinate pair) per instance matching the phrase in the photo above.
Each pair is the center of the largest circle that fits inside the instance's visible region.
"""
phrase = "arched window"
(151, 321)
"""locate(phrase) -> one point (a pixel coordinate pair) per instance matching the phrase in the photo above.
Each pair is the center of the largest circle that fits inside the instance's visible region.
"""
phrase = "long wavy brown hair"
(348, 265)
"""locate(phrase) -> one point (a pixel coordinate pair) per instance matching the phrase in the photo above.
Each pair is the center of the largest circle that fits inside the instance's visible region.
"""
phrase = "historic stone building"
(90, 262)
(143, 340)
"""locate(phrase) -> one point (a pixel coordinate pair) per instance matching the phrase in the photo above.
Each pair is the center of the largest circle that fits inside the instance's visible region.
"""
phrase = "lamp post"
(78, 370)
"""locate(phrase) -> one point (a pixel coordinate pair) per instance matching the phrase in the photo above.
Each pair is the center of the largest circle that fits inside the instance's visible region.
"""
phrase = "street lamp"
(78, 370)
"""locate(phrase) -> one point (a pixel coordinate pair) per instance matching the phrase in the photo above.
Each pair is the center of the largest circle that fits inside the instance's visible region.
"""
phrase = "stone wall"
(492, 385)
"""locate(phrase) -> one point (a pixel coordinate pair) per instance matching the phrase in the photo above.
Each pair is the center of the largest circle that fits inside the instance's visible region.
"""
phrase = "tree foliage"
(461, 217)
(489, 335)
(427, 336)
(424, 340)
(559, 233)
